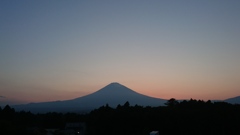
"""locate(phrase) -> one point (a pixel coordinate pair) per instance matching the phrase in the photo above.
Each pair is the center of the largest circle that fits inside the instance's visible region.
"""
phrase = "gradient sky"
(57, 50)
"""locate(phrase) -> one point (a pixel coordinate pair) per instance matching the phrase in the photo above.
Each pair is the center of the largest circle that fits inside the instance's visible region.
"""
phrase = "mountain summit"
(112, 94)
(115, 89)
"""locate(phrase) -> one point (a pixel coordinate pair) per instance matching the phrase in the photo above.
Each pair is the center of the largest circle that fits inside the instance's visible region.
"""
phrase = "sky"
(64, 49)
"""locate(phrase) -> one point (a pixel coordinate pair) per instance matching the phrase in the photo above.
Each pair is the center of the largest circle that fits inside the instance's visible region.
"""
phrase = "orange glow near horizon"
(163, 92)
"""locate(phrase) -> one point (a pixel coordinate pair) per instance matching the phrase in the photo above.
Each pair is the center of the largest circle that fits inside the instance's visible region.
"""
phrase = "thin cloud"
(2, 97)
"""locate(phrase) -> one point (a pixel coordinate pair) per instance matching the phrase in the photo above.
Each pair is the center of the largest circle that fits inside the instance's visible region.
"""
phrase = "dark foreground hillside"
(185, 118)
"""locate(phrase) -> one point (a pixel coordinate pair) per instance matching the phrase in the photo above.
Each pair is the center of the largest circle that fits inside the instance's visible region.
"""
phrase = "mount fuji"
(112, 94)
(235, 100)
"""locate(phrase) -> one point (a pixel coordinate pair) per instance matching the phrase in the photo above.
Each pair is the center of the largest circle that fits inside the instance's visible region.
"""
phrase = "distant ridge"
(235, 100)
(112, 94)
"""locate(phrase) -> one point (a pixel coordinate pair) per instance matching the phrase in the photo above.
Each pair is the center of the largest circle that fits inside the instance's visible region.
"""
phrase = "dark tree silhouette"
(172, 102)
(8, 111)
(127, 104)
(186, 117)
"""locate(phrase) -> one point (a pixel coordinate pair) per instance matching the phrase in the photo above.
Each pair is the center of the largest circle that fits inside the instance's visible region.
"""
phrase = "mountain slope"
(112, 94)
(115, 93)
(235, 100)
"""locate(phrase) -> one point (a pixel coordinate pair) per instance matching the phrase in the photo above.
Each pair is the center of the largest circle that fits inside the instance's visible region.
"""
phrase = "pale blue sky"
(56, 50)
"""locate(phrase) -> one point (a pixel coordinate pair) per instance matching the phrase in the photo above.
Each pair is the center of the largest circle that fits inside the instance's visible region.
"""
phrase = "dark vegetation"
(193, 117)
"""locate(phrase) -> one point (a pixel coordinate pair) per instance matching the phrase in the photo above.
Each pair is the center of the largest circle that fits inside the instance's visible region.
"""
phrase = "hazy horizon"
(59, 50)
(6, 102)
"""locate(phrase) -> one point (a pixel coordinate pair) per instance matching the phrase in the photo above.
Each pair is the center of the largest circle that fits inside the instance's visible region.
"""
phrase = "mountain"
(112, 94)
(235, 100)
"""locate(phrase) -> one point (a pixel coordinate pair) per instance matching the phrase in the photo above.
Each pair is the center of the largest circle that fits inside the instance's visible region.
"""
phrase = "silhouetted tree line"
(192, 117)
